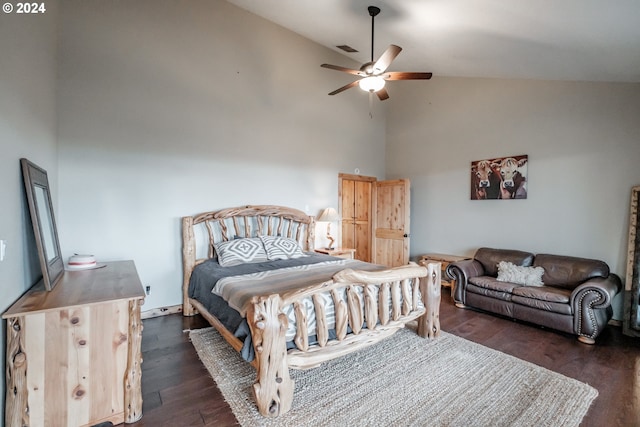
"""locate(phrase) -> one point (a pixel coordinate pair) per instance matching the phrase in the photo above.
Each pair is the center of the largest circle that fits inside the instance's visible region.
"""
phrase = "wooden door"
(391, 222)
(355, 210)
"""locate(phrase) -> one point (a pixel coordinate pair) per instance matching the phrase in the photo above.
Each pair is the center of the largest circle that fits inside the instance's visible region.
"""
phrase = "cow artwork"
(499, 178)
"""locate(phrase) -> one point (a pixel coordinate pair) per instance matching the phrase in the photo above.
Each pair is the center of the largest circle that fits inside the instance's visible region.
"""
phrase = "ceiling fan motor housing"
(367, 68)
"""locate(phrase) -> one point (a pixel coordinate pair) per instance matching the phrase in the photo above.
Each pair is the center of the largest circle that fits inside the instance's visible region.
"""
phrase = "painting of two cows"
(499, 178)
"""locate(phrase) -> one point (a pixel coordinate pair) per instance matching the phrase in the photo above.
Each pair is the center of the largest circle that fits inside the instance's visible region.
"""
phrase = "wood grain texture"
(341, 316)
(16, 406)
(322, 329)
(213, 321)
(273, 389)
(384, 295)
(430, 286)
(354, 205)
(370, 307)
(302, 336)
(396, 302)
(354, 305)
(117, 281)
(77, 354)
(188, 263)
(392, 226)
(133, 376)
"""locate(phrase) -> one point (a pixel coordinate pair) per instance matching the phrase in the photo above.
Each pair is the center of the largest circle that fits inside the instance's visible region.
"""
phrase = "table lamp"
(329, 215)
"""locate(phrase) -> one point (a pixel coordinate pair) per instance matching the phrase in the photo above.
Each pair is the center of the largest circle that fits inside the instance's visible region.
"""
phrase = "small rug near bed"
(407, 381)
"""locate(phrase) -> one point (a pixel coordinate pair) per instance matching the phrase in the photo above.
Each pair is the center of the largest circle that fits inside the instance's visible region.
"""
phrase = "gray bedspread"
(238, 291)
(207, 274)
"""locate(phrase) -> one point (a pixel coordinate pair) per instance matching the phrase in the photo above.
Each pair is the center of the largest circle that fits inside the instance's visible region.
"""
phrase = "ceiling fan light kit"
(371, 84)
(373, 75)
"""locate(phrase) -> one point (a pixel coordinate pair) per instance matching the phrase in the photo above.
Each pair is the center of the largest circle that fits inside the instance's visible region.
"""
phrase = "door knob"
(406, 235)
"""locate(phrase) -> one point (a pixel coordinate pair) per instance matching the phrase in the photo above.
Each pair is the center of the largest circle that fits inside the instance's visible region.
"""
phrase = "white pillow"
(281, 247)
(240, 251)
(528, 276)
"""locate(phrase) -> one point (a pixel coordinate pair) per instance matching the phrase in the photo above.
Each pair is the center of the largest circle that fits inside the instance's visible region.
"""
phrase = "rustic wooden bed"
(360, 320)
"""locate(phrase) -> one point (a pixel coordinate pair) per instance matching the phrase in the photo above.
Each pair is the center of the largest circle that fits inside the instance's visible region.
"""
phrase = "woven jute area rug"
(406, 380)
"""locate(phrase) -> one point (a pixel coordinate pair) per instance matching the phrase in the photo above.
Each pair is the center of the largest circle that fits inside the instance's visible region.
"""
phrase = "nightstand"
(346, 253)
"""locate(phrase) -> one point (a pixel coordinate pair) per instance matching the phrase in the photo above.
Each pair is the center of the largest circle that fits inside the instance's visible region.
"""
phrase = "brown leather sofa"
(575, 298)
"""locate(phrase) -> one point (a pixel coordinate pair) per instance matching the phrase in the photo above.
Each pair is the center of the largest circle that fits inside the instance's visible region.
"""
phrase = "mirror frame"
(51, 264)
(631, 323)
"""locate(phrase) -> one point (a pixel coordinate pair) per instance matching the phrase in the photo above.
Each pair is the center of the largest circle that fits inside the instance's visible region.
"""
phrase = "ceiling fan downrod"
(373, 12)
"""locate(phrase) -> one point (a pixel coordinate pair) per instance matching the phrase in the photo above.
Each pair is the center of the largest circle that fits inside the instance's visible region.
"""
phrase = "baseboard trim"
(614, 322)
(161, 311)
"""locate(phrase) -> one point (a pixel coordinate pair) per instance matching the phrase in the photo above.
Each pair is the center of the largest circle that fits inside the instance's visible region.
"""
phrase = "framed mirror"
(44, 225)
(631, 323)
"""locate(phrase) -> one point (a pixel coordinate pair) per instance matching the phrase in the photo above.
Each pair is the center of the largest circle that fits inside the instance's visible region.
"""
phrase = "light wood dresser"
(73, 354)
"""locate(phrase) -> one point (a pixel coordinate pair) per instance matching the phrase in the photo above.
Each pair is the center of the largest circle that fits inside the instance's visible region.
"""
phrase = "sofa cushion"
(490, 286)
(489, 258)
(544, 298)
(492, 283)
(527, 276)
(472, 289)
(544, 293)
(569, 272)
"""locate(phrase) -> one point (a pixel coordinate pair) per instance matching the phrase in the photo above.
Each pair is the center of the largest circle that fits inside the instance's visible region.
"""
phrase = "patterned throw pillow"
(528, 276)
(281, 247)
(239, 251)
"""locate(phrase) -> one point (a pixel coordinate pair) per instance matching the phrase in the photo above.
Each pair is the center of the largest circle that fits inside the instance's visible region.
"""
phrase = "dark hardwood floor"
(178, 391)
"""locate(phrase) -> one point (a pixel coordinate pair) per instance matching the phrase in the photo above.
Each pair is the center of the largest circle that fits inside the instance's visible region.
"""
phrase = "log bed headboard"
(202, 231)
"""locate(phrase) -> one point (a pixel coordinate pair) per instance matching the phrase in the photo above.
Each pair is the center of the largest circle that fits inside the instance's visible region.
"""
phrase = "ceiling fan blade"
(343, 69)
(406, 75)
(385, 60)
(382, 94)
(343, 88)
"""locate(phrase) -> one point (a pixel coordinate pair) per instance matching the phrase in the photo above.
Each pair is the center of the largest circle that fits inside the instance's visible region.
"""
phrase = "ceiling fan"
(373, 73)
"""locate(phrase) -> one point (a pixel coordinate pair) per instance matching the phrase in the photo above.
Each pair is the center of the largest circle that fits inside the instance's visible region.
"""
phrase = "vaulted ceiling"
(583, 40)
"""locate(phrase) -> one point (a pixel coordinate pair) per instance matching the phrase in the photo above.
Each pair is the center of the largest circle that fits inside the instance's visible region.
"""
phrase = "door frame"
(372, 180)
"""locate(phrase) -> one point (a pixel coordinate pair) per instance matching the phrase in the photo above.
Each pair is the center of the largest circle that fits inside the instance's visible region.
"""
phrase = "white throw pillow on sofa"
(528, 276)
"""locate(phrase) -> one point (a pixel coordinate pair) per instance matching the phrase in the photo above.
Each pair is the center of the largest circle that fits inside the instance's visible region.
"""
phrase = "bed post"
(273, 389)
(429, 322)
(188, 263)
(311, 234)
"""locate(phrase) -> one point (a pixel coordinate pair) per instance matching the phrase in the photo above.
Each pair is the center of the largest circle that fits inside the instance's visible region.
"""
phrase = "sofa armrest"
(461, 272)
(605, 288)
(591, 304)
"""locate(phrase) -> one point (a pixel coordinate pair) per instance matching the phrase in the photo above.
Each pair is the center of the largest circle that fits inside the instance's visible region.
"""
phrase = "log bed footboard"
(406, 285)
(363, 318)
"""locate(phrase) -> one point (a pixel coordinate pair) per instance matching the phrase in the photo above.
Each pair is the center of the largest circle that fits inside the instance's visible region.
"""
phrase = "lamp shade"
(371, 84)
(329, 215)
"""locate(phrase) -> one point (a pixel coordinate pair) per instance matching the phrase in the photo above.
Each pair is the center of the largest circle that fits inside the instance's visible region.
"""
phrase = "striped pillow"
(281, 247)
(240, 251)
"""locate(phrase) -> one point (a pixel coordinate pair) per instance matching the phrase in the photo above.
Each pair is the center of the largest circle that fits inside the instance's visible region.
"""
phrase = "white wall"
(27, 129)
(167, 110)
(583, 142)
